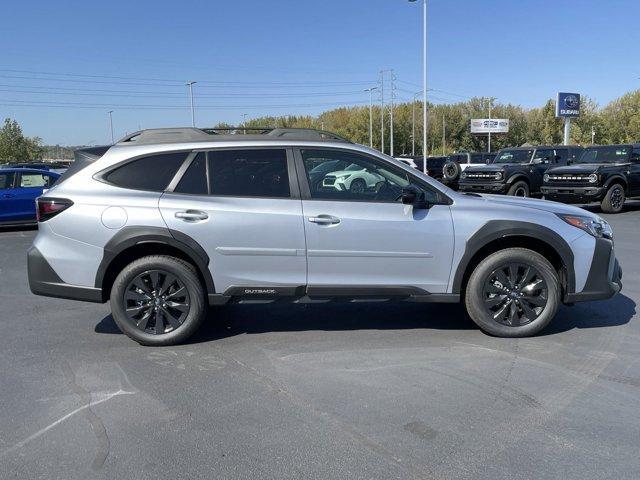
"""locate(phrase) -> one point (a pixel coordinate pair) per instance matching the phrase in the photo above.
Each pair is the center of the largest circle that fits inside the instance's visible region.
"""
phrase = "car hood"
(582, 168)
(543, 205)
(495, 167)
(337, 173)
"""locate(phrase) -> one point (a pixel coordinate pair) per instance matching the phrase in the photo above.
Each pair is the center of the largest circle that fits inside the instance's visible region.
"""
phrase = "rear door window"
(249, 173)
(6, 180)
(152, 173)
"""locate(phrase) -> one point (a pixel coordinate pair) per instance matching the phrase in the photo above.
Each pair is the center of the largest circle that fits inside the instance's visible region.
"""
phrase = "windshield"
(514, 156)
(612, 154)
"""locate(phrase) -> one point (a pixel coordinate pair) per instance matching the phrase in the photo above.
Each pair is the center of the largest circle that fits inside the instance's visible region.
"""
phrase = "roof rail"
(192, 134)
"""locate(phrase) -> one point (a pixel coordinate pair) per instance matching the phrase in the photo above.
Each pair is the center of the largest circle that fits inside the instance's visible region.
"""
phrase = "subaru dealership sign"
(489, 125)
(568, 105)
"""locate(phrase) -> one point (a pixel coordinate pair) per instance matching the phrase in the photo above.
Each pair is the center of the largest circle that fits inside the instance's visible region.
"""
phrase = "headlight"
(593, 226)
(545, 178)
(593, 178)
(498, 175)
(463, 175)
(343, 176)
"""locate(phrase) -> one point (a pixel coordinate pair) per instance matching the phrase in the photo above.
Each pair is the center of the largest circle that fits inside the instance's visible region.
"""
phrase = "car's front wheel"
(513, 293)
(613, 201)
(158, 300)
(519, 189)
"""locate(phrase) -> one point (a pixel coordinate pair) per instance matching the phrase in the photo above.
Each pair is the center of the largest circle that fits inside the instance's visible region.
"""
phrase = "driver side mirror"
(538, 161)
(413, 195)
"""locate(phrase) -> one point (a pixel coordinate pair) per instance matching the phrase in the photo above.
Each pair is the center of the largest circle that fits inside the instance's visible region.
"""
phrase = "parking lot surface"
(358, 391)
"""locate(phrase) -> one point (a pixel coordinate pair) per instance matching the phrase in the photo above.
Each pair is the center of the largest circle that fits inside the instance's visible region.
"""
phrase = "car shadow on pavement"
(232, 320)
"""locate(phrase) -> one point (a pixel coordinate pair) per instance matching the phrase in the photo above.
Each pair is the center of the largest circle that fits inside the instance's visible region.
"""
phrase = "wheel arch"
(617, 179)
(516, 177)
(132, 243)
(498, 235)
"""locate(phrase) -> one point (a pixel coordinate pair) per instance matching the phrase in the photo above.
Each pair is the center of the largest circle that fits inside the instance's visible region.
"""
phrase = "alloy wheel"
(616, 197)
(520, 192)
(156, 302)
(515, 294)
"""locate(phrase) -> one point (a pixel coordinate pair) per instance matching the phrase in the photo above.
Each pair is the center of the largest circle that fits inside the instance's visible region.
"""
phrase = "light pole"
(424, 85)
(111, 125)
(593, 134)
(413, 124)
(382, 111)
(244, 123)
(370, 90)
(193, 116)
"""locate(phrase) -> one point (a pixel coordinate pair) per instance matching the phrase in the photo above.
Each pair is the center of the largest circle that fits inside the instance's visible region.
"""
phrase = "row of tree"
(448, 124)
(448, 127)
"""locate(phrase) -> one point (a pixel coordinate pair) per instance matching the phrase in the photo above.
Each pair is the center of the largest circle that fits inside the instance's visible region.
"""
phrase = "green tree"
(15, 146)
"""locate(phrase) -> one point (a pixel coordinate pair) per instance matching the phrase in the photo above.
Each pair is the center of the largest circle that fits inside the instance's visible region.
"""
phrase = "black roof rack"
(192, 134)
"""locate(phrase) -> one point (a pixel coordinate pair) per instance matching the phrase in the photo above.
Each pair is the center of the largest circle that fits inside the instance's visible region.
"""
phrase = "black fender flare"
(131, 236)
(518, 176)
(498, 229)
(616, 178)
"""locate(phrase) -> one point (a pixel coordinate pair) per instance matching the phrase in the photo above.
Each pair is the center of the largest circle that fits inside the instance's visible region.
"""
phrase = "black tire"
(535, 299)
(183, 298)
(613, 201)
(519, 189)
(451, 171)
(358, 186)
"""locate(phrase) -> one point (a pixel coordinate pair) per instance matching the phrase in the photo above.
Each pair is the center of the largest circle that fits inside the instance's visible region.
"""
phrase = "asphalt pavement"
(380, 391)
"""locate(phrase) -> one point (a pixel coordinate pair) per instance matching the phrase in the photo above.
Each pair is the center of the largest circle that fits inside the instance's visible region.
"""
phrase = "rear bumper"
(482, 187)
(605, 275)
(43, 280)
(574, 194)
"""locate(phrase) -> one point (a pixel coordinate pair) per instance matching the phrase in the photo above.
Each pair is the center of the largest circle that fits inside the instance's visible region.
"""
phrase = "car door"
(542, 160)
(242, 206)
(634, 172)
(366, 240)
(7, 196)
(29, 187)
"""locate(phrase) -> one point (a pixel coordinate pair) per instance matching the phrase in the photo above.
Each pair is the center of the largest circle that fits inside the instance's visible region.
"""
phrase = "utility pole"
(193, 117)
(393, 92)
(593, 135)
(244, 123)
(370, 90)
(444, 136)
(382, 111)
(111, 125)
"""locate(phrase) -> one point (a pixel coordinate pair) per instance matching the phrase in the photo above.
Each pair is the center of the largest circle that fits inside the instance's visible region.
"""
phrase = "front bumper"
(482, 187)
(43, 280)
(605, 275)
(574, 194)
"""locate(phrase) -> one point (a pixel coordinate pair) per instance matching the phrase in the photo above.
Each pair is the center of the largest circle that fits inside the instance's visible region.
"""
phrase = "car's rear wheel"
(158, 300)
(613, 201)
(513, 293)
(519, 189)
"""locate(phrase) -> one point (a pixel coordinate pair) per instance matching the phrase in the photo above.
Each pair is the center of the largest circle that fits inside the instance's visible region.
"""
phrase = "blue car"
(19, 188)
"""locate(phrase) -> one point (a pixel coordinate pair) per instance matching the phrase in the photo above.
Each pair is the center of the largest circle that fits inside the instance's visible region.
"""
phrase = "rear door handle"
(325, 220)
(192, 215)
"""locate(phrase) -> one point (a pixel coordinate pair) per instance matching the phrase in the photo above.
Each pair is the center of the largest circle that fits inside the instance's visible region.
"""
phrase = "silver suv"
(167, 222)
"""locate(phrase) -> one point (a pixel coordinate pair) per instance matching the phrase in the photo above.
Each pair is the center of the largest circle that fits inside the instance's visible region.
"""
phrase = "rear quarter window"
(152, 173)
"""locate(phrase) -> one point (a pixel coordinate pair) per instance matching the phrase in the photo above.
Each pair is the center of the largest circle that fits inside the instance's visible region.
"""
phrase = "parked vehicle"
(180, 218)
(516, 171)
(434, 164)
(19, 188)
(459, 162)
(606, 174)
(58, 167)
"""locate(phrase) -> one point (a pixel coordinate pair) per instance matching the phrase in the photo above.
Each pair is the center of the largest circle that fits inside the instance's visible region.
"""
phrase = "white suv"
(167, 222)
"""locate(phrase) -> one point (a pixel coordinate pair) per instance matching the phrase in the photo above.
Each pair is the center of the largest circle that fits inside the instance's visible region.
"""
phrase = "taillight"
(50, 207)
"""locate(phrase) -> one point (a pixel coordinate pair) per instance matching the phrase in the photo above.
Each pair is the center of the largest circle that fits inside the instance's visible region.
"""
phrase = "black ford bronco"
(605, 174)
(517, 171)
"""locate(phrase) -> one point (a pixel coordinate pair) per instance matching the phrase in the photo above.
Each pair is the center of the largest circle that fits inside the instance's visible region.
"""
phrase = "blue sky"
(300, 57)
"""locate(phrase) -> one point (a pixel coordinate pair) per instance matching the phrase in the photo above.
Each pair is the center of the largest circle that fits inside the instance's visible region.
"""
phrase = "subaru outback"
(168, 222)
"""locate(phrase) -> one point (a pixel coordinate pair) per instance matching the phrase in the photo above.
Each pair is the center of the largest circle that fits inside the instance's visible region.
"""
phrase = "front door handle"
(8, 195)
(325, 220)
(192, 215)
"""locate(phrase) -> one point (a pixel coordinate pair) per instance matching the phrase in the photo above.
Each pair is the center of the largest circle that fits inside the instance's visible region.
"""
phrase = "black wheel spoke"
(526, 277)
(500, 315)
(495, 301)
(169, 280)
(513, 315)
(528, 311)
(182, 307)
(142, 323)
(502, 278)
(180, 292)
(175, 322)
(513, 274)
(537, 301)
(159, 321)
(136, 296)
(139, 283)
(137, 309)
